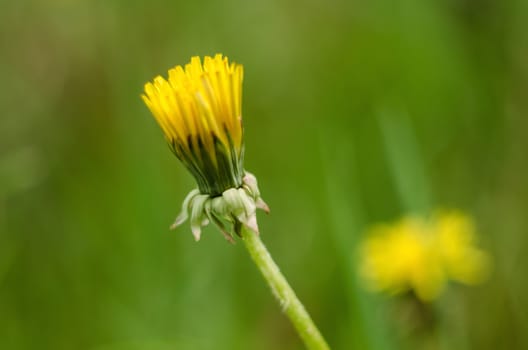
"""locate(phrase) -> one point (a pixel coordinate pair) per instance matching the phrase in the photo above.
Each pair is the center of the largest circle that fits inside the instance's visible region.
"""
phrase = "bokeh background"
(356, 112)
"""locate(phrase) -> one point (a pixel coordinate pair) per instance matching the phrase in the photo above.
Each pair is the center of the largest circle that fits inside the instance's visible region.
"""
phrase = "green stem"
(291, 305)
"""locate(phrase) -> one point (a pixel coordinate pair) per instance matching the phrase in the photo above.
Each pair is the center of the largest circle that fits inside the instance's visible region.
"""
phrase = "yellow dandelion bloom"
(400, 257)
(199, 109)
(421, 255)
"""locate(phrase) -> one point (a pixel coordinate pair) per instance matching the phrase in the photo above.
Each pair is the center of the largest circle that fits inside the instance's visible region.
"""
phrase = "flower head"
(199, 109)
(422, 255)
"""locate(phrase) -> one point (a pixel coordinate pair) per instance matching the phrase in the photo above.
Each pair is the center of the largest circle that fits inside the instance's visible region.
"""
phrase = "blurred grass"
(355, 113)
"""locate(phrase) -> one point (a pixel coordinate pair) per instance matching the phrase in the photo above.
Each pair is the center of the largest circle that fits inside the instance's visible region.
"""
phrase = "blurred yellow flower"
(422, 255)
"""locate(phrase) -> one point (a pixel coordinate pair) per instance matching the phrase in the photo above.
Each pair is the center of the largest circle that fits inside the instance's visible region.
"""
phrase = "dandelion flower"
(199, 109)
(422, 255)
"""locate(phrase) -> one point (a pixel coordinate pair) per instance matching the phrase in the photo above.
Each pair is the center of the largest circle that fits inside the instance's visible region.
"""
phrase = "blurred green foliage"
(355, 112)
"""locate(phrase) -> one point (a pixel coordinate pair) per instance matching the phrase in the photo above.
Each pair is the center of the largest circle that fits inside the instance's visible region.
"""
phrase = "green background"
(355, 112)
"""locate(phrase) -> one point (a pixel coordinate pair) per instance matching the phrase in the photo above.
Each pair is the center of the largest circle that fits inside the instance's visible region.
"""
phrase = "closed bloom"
(199, 109)
(422, 255)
